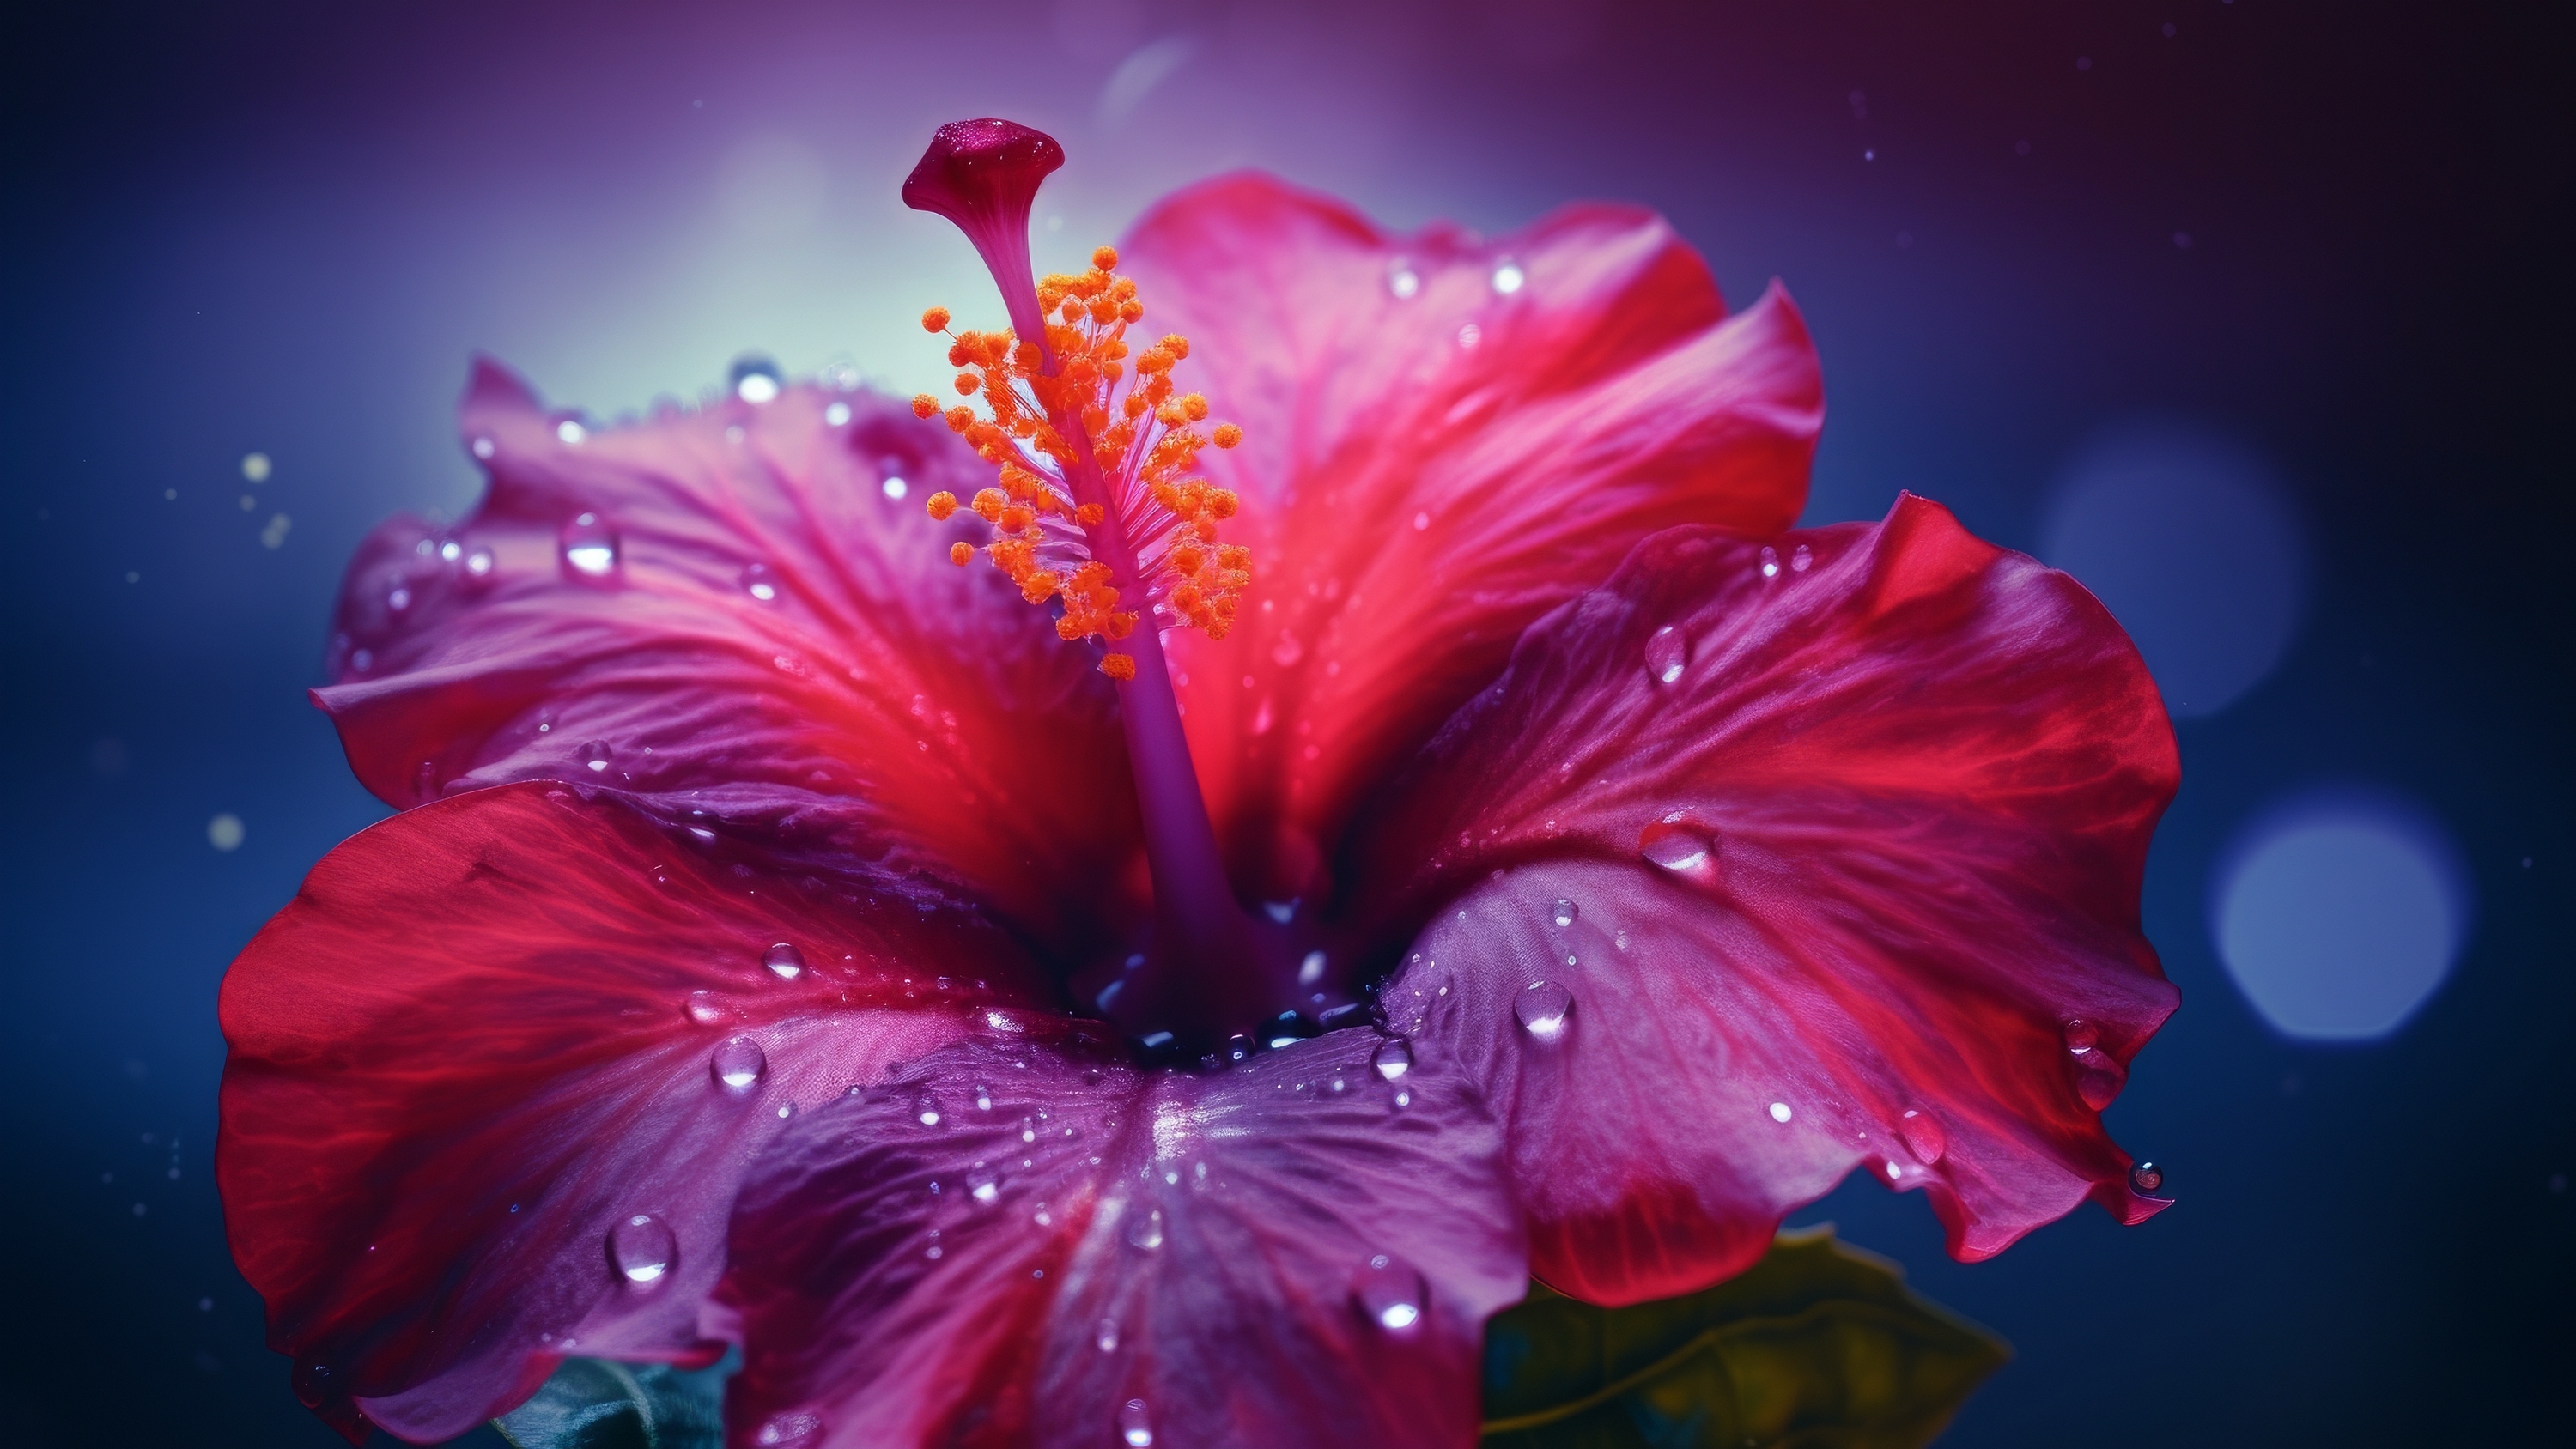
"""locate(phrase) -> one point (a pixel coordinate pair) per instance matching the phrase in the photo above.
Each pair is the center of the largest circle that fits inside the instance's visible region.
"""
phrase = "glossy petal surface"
(1860, 838)
(1444, 439)
(748, 627)
(490, 1031)
(1071, 1237)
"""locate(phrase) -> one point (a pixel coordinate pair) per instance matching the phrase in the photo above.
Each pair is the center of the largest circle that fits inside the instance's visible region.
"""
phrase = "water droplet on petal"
(1135, 1424)
(1770, 562)
(483, 448)
(1507, 277)
(1923, 1136)
(706, 1008)
(835, 414)
(642, 1247)
(925, 1110)
(784, 960)
(2081, 1037)
(1542, 1009)
(478, 564)
(983, 1183)
(1780, 1112)
(787, 1431)
(2098, 1089)
(2146, 1177)
(1801, 559)
(1566, 911)
(571, 431)
(1105, 1334)
(1147, 1231)
(1678, 842)
(760, 582)
(1667, 654)
(1393, 1059)
(1311, 970)
(1402, 280)
(1390, 1293)
(594, 753)
(312, 1382)
(589, 547)
(738, 1063)
(755, 380)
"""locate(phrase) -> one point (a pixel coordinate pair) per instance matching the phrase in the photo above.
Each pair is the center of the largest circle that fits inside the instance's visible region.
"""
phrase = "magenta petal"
(747, 629)
(492, 1032)
(1021, 1245)
(1444, 438)
(1840, 828)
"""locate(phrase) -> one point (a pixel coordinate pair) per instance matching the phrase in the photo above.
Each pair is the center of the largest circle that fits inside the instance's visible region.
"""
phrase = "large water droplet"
(1507, 277)
(738, 1063)
(1390, 1293)
(2098, 1089)
(571, 431)
(784, 960)
(1105, 1334)
(760, 581)
(1923, 1136)
(706, 1008)
(1146, 1231)
(1135, 1424)
(2081, 1037)
(589, 547)
(642, 1248)
(1566, 911)
(2146, 1177)
(755, 379)
(1402, 280)
(594, 753)
(787, 1431)
(312, 1381)
(1678, 842)
(1542, 1009)
(1393, 1060)
(1667, 654)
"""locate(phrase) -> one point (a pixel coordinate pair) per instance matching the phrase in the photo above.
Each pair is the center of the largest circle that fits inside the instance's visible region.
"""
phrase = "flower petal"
(1275, 1255)
(491, 1030)
(750, 627)
(1443, 440)
(1847, 864)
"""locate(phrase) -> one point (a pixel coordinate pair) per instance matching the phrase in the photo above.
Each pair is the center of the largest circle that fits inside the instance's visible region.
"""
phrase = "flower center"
(1094, 510)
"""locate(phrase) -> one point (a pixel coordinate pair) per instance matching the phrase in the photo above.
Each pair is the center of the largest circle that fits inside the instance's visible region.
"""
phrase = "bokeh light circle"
(2193, 546)
(2340, 914)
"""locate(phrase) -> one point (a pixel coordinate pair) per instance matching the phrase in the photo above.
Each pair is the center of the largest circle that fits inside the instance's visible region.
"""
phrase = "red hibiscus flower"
(1456, 835)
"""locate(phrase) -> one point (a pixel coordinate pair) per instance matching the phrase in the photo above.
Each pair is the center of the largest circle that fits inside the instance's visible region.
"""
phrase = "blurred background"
(2254, 316)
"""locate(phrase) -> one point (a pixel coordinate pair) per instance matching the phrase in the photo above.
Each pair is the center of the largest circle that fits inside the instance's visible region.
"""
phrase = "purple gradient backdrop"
(285, 227)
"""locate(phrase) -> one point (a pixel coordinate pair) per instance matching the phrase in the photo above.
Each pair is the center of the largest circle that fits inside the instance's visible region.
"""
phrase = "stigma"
(1096, 508)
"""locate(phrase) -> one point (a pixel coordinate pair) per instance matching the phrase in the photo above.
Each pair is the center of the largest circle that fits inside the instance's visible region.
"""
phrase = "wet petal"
(1848, 868)
(492, 1032)
(1276, 1255)
(727, 613)
(1444, 438)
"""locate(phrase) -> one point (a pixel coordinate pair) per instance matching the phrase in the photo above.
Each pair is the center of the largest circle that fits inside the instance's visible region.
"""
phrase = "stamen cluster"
(1059, 418)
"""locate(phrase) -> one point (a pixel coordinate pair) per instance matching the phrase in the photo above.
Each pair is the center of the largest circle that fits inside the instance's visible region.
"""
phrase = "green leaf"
(1818, 1346)
(591, 1403)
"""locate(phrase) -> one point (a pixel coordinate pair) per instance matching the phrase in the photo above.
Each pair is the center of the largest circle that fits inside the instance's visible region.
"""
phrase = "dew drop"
(1507, 277)
(738, 1063)
(1566, 911)
(450, 551)
(1770, 562)
(478, 564)
(1393, 1059)
(1402, 280)
(1311, 970)
(589, 547)
(483, 448)
(594, 753)
(1135, 1424)
(787, 1431)
(1390, 1294)
(1780, 1112)
(399, 599)
(1667, 654)
(1146, 1232)
(1801, 559)
(836, 414)
(705, 1008)
(571, 432)
(759, 581)
(2081, 1037)
(2146, 1177)
(983, 1099)
(1542, 1009)
(1028, 1129)
(784, 961)
(642, 1248)
(755, 381)
(983, 1184)
(2098, 1089)
(312, 1382)
(1923, 1136)
(925, 1110)
(1105, 1334)
(1678, 842)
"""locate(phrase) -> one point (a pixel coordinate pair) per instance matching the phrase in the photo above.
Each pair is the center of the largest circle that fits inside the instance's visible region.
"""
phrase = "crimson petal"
(1443, 439)
(491, 1032)
(1020, 1243)
(748, 627)
(1827, 852)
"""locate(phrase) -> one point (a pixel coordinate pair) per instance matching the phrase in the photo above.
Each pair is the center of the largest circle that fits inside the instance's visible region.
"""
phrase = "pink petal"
(1412, 500)
(770, 640)
(491, 1029)
(1276, 1255)
(1853, 858)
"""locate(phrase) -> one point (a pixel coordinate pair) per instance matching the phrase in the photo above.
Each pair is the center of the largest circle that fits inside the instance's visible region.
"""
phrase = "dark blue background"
(283, 227)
